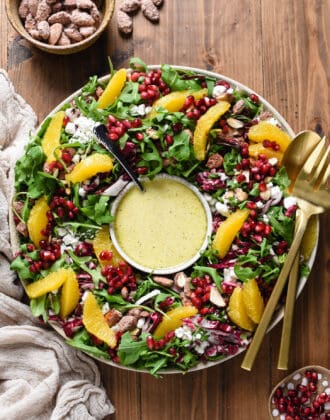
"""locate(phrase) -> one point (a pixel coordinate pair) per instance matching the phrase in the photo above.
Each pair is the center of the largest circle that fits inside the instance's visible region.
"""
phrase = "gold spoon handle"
(275, 296)
(283, 358)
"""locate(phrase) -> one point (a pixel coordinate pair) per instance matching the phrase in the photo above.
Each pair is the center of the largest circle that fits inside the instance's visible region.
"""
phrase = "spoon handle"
(283, 358)
(101, 133)
(276, 294)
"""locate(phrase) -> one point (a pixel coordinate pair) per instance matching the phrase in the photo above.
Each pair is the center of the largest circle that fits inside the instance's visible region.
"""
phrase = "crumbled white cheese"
(139, 110)
(76, 158)
(297, 376)
(84, 296)
(105, 308)
(222, 176)
(290, 385)
(81, 129)
(229, 274)
(218, 90)
(140, 323)
(247, 175)
(272, 121)
(82, 192)
(184, 332)
(275, 412)
(289, 202)
(222, 209)
(265, 218)
(273, 161)
(148, 296)
(230, 90)
(200, 347)
(276, 194)
(260, 204)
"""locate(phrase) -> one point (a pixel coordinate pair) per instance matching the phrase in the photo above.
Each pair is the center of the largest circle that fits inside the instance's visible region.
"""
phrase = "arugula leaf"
(22, 267)
(130, 350)
(136, 63)
(281, 179)
(39, 307)
(282, 226)
(96, 208)
(151, 159)
(230, 160)
(181, 149)
(81, 341)
(245, 273)
(173, 79)
(28, 166)
(42, 184)
(130, 93)
(212, 272)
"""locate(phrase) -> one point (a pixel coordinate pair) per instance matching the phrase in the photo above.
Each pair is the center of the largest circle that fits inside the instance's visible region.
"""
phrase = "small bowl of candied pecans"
(60, 26)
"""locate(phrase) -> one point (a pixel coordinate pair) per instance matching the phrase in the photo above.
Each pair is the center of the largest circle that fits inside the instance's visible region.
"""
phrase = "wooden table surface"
(281, 50)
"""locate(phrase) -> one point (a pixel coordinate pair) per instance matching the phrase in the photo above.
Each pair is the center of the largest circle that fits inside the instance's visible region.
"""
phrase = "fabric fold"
(41, 377)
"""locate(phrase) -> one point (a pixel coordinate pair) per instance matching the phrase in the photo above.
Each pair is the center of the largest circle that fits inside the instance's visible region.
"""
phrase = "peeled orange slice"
(90, 166)
(253, 301)
(227, 231)
(52, 136)
(204, 125)
(50, 283)
(256, 149)
(113, 89)
(173, 319)
(267, 131)
(95, 323)
(237, 311)
(69, 294)
(37, 220)
(174, 101)
(102, 242)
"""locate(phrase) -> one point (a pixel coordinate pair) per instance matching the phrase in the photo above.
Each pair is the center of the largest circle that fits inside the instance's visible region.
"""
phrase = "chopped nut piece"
(43, 28)
(87, 31)
(240, 194)
(82, 18)
(234, 123)
(215, 161)
(113, 317)
(130, 6)
(43, 11)
(73, 34)
(127, 323)
(55, 32)
(180, 279)
(60, 17)
(216, 298)
(33, 7)
(124, 22)
(150, 11)
(163, 281)
(238, 107)
(24, 9)
(64, 40)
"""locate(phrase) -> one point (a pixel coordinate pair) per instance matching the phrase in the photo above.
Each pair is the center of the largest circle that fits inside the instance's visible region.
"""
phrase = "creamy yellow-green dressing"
(162, 227)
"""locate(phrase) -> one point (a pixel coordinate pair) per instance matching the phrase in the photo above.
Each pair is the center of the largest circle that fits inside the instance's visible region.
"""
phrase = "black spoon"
(101, 133)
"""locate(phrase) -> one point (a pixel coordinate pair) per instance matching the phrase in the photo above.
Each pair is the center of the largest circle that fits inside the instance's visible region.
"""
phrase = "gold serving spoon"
(312, 177)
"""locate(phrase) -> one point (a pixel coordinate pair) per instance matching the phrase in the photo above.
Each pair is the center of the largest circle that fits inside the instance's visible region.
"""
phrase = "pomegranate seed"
(142, 170)
(254, 98)
(113, 136)
(105, 255)
(169, 139)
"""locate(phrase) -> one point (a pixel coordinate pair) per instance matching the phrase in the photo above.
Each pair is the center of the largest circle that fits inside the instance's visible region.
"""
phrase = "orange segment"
(256, 149)
(37, 220)
(267, 131)
(237, 311)
(50, 283)
(174, 101)
(204, 125)
(90, 166)
(95, 323)
(69, 294)
(228, 230)
(52, 136)
(102, 242)
(113, 89)
(173, 319)
(253, 300)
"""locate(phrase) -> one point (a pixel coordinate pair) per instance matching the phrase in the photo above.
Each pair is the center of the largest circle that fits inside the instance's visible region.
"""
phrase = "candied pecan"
(70, 4)
(163, 281)
(85, 4)
(30, 23)
(87, 31)
(150, 11)
(57, 7)
(43, 11)
(55, 32)
(265, 115)
(60, 17)
(130, 6)
(43, 28)
(23, 9)
(73, 34)
(127, 323)
(18, 206)
(82, 18)
(113, 317)
(64, 40)
(33, 7)
(22, 229)
(239, 106)
(124, 22)
(157, 3)
(214, 161)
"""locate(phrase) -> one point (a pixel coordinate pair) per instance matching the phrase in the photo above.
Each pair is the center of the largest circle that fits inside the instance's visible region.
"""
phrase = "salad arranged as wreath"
(164, 120)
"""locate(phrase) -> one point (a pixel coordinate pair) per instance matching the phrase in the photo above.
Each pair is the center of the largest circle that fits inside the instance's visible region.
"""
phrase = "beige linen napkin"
(41, 377)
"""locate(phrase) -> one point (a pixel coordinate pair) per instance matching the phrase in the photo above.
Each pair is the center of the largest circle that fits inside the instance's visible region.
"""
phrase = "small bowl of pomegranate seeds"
(303, 395)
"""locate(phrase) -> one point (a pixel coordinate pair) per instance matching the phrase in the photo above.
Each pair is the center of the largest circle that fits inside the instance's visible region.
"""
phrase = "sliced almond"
(235, 123)
(216, 298)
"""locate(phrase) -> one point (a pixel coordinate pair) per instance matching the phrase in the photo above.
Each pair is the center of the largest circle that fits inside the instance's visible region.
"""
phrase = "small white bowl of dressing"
(164, 229)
